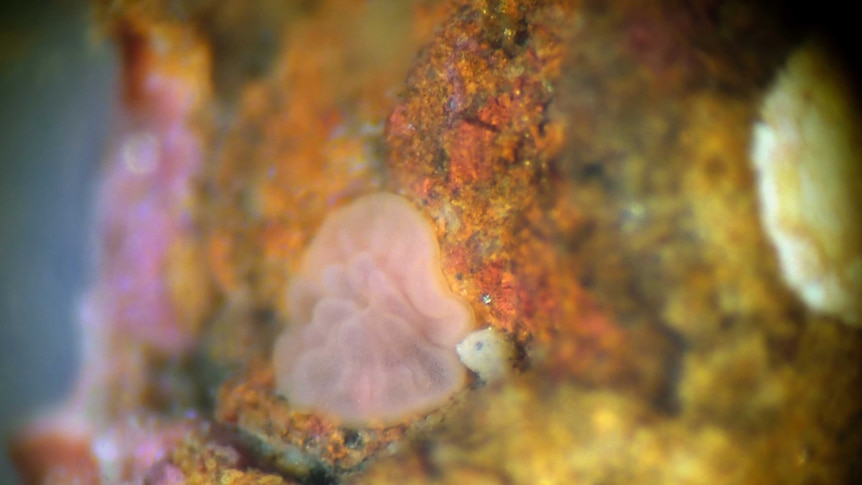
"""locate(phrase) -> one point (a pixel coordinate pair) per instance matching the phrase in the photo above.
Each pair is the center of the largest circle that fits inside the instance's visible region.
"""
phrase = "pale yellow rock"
(807, 153)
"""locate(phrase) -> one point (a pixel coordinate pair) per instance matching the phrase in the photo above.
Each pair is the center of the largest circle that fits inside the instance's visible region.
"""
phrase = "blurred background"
(56, 99)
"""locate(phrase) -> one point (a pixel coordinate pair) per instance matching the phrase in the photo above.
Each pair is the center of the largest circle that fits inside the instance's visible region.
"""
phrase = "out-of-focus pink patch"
(104, 432)
(142, 210)
(135, 447)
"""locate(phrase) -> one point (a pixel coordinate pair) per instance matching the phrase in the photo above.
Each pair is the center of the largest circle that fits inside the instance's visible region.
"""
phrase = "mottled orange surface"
(470, 141)
(287, 435)
(205, 458)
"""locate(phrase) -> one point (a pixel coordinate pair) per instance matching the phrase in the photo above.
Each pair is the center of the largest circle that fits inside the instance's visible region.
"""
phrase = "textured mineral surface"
(585, 168)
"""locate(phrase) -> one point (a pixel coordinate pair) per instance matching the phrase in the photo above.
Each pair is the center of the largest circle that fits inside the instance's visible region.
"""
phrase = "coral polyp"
(373, 325)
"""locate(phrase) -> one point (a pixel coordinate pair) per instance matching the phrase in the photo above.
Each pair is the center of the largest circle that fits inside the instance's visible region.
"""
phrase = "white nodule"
(487, 353)
(806, 151)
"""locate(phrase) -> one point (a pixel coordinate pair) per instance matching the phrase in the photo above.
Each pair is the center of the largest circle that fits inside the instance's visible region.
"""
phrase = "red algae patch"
(373, 325)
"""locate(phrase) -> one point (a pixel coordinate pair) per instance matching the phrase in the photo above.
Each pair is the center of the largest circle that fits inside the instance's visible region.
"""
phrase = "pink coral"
(373, 324)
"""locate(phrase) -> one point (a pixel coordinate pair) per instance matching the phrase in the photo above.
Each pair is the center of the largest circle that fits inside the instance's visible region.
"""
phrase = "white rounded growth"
(373, 325)
(807, 155)
(487, 353)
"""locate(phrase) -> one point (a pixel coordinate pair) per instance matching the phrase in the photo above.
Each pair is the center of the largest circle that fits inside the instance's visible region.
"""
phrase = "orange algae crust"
(585, 171)
(204, 458)
(297, 442)
(475, 141)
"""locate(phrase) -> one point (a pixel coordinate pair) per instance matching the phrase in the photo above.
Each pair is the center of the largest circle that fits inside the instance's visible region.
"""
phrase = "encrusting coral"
(373, 324)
